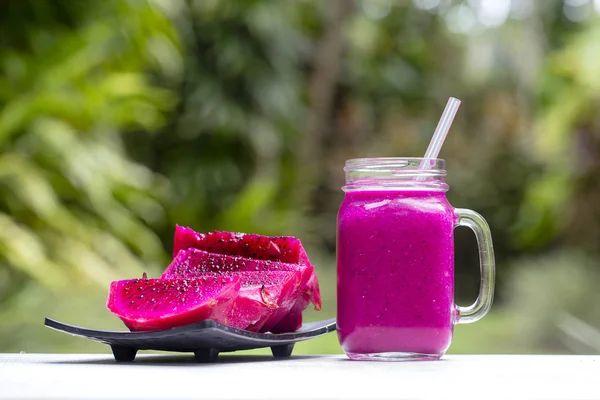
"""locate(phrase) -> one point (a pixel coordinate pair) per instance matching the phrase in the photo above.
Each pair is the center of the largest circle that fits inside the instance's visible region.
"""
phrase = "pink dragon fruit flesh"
(292, 321)
(282, 283)
(155, 304)
(275, 248)
(262, 294)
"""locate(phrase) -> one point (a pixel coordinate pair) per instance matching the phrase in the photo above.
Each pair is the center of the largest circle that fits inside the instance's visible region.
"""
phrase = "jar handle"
(487, 266)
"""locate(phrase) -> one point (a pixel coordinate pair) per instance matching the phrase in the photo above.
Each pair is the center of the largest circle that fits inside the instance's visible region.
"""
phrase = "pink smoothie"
(395, 273)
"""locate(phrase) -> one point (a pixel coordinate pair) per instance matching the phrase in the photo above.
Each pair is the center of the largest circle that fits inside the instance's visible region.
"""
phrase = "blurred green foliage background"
(122, 118)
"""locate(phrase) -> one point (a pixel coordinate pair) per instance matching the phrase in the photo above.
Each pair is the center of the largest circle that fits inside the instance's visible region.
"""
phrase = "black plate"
(205, 339)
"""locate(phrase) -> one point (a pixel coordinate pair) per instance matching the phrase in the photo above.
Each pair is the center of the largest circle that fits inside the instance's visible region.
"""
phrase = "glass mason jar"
(395, 261)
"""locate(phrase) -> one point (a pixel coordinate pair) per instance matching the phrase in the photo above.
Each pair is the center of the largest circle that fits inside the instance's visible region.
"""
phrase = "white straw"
(435, 145)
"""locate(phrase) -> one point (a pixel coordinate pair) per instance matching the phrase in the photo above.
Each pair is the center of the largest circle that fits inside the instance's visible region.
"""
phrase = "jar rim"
(433, 165)
(389, 160)
(404, 173)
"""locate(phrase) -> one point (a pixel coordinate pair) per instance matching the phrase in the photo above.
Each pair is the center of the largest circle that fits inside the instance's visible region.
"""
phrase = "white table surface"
(479, 377)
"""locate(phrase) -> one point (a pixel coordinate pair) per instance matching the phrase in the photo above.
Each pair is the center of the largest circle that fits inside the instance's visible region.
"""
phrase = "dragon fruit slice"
(275, 248)
(155, 304)
(194, 262)
(262, 294)
(287, 249)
